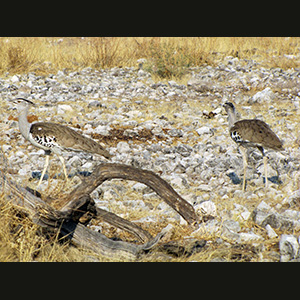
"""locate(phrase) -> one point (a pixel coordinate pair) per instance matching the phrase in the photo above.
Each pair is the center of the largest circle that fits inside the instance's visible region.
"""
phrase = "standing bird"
(53, 137)
(251, 133)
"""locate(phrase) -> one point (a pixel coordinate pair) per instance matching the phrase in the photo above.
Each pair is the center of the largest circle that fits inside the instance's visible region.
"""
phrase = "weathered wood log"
(123, 224)
(99, 243)
(109, 171)
(78, 197)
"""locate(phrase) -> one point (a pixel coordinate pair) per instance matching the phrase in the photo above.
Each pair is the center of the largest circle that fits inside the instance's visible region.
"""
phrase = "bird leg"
(245, 164)
(44, 170)
(64, 166)
(265, 160)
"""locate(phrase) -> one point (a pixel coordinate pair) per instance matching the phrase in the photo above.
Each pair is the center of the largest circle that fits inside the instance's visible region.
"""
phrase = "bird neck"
(232, 118)
(24, 125)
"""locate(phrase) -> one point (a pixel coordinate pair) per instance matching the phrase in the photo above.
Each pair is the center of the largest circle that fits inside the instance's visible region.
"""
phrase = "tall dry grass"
(166, 56)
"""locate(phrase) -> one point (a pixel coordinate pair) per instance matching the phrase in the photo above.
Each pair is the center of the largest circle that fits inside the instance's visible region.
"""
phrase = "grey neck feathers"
(24, 125)
(232, 118)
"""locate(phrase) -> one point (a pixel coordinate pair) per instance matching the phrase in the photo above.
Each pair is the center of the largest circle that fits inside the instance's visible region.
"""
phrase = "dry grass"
(23, 241)
(167, 57)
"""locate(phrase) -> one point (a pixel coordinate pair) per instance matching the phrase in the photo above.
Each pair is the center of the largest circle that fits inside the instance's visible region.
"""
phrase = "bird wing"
(68, 138)
(256, 132)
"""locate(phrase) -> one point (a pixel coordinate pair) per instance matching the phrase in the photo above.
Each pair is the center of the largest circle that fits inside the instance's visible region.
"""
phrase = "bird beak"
(25, 100)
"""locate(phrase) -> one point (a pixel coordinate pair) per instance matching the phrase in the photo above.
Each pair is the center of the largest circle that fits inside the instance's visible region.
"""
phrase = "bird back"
(255, 133)
(67, 138)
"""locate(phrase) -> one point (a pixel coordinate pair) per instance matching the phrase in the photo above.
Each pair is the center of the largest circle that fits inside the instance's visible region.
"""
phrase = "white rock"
(210, 227)
(203, 130)
(288, 246)
(139, 187)
(123, 147)
(149, 124)
(246, 215)
(163, 206)
(62, 108)
(87, 165)
(218, 110)
(271, 232)
(88, 129)
(291, 214)
(74, 161)
(222, 121)
(19, 153)
(207, 208)
(263, 206)
(6, 147)
(15, 79)
(103, 130)
(171, 94)
(179, 181)
(293, 196)
(150, 196)
(250, 237)
(241, 211)
(263, 96)
(22, 172)
(204, 187)
(232, 225)
(134, 114)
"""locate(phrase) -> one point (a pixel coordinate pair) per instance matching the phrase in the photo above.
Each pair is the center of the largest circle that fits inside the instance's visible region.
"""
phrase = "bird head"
(232, 114)
(21, 103)
(229, 107)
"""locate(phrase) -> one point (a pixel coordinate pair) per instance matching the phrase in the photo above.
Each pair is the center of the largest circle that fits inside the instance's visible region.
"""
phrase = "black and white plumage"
(47, 141)
(251, 133)
(53, 137)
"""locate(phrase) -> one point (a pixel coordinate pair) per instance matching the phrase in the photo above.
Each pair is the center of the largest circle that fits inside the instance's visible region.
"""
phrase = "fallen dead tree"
(76, 208)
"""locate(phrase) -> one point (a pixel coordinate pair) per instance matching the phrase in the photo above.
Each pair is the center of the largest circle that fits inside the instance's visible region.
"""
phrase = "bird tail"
(104, 153)
(91, 146)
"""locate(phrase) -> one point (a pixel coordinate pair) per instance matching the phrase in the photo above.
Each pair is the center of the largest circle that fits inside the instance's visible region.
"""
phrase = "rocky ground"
(178, 130)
